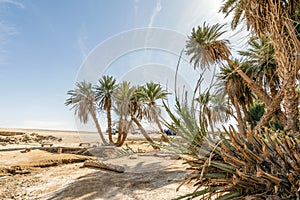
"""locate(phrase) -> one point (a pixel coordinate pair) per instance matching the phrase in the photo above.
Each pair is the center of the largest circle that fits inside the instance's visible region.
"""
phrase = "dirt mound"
(36, 158)
(25, 138)
(11, 133)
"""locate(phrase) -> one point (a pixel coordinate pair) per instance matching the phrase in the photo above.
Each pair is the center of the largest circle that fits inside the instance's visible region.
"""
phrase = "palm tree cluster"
(131, 103)
(261, 159)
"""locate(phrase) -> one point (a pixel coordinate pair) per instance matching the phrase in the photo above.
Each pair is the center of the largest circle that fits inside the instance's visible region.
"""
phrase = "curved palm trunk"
(121, 140)
(271, 111)
(123, 132)
(120, 132)
(97, 125)
(254, 87)
(108, 113)
(258, 91)
(164, 136)
(134, 119)
(244, 110)
(239, 116)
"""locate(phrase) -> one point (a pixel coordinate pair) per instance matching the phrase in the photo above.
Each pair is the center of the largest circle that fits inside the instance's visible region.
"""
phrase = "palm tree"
(207, 49)
(150, 93)
(130, 105)
(262, 64)
(103, 94)
(238, 92)
(123, 95)
(214, 107)
(82, 99)
(277, 19)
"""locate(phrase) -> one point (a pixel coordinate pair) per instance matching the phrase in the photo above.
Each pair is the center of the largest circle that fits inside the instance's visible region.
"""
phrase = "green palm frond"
(205, 46)
(104, 91)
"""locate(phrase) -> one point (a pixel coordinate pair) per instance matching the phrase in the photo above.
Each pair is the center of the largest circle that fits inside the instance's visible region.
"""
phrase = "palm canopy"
(234, 85)
(82, 100)
(205, 47)
(104, 94)
(128, 100)
(104, 91)
(214, 106)
(150, 93)
(123, 98)
(262, 64)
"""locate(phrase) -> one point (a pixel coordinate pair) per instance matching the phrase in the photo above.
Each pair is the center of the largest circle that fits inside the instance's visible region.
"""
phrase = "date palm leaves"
(82, 100)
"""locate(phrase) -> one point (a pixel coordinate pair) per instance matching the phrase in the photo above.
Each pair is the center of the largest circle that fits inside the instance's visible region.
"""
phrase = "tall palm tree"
(82, 100)
(150, 93)
(238, 92)
(277, 19)
(207, 49)
(123, 95)
(262, 64)
(130, 105)
(104, 94)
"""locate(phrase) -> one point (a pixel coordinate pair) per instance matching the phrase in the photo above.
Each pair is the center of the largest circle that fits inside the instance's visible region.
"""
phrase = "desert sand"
(29, 171)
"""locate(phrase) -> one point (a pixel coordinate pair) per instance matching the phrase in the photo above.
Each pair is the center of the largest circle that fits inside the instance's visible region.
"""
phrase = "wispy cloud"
(6, 29)
(81, 42)
(157, 9)
(16, 3)
(82, 47)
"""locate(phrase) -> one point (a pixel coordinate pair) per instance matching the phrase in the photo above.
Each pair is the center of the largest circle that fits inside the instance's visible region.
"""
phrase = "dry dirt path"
(145, 177)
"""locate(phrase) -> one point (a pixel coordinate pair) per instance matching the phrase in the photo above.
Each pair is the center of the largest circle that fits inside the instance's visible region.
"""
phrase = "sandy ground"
(150, 175)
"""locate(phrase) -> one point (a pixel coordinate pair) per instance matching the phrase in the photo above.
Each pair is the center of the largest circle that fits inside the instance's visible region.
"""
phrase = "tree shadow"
(111, 185)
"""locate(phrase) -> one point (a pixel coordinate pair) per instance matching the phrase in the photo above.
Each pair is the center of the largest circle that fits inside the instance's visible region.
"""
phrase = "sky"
(46, 46)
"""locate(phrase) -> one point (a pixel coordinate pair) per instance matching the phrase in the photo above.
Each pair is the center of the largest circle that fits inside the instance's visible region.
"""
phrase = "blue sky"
(43, 45)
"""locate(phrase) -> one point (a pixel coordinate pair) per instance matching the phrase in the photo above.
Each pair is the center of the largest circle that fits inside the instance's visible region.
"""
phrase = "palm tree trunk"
(164, 136)
(134, 119)
(109, 122)
(286, 44)
(97, 125)
(273, 89)
(120, 132)
(254, 87)
(271, 111)
(244, 110)
(239, 116)
(257, 90)
(290, 105)
(123, 133)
